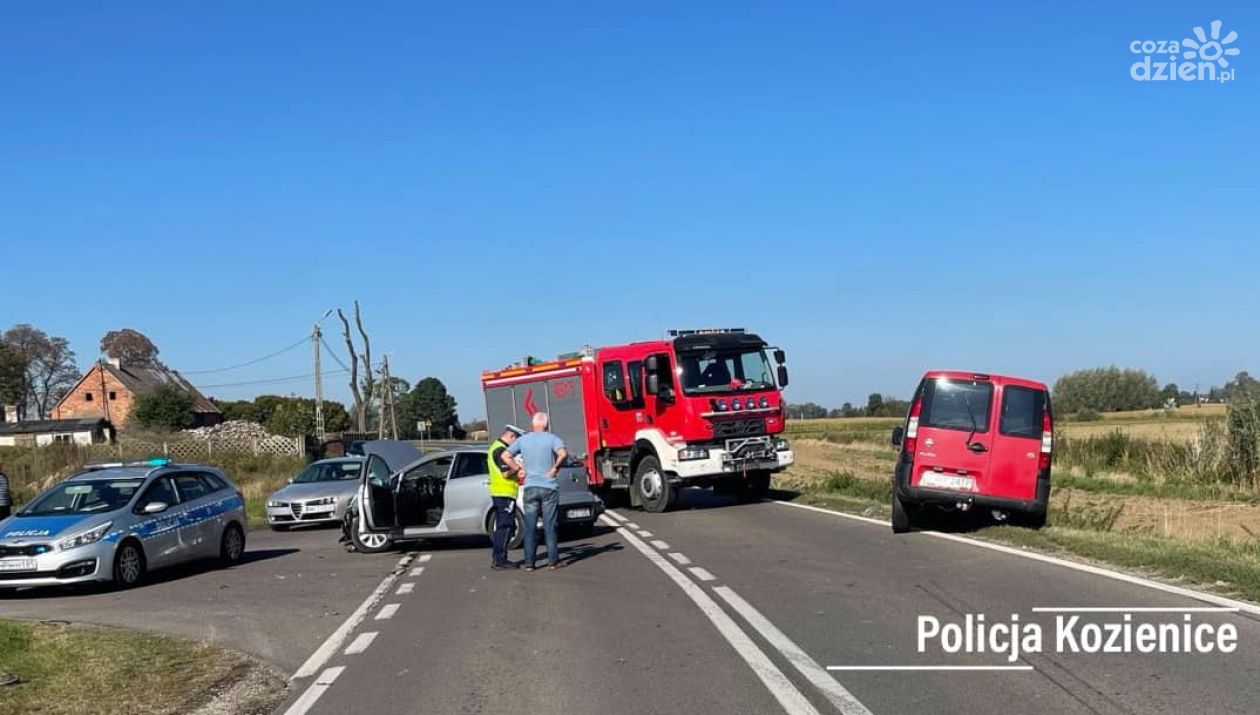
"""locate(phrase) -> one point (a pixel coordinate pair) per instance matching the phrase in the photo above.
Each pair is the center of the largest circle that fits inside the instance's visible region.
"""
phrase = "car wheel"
(902, 515)
(655, 491)
(517, 537)
(129, 565)
(755, 487)
(369, 543)
(232, 545)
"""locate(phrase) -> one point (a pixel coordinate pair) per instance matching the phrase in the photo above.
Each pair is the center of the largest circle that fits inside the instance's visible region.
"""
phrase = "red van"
(974, 440)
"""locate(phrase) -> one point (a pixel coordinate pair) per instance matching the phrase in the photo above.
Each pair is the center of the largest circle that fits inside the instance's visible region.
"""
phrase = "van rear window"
(954, 404)
(1022, 408)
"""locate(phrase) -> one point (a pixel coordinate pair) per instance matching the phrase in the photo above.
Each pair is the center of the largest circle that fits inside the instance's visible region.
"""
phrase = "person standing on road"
(503, 482)
(542, 453)
(6, 500)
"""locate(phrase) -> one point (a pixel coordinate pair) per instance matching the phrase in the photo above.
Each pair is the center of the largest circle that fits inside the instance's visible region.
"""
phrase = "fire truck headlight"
(764, 402)
(736, 404)
(781, 445)
(689, 453)
(719, 405)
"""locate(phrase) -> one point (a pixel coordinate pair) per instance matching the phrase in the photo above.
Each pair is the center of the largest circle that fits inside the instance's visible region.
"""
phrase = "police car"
(114, 522)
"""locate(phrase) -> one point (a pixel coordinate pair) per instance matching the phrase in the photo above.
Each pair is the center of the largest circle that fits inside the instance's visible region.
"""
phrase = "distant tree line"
(877, 405)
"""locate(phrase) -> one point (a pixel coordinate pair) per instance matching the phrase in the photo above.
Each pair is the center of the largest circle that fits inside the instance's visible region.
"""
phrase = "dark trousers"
(548, 502)
(5, 510)
(504, 522)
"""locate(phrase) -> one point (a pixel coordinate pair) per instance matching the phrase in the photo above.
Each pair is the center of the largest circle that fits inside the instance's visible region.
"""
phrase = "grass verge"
(67, 670)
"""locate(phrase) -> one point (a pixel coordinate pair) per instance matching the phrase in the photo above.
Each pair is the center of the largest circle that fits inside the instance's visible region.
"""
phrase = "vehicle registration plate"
(17, 564)
(579, 513)
(956, 482)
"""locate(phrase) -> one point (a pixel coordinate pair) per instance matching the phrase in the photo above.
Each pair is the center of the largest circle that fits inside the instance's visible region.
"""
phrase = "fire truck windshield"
(713, 371)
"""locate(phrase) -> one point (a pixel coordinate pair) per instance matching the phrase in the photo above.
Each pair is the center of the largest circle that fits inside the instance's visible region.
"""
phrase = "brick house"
(109, 390)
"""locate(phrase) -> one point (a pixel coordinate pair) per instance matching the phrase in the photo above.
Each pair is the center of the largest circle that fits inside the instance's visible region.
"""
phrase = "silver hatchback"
(115, 522)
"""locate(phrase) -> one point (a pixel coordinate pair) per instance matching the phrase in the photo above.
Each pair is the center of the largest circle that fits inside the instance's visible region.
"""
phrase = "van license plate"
(579, 513)
(955, 482)
(17, 564)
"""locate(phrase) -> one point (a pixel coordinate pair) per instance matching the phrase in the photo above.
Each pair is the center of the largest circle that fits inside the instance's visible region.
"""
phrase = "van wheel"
(902, 515)
(129, 565)
(369, 543)
(654, 488)
(1031, 520)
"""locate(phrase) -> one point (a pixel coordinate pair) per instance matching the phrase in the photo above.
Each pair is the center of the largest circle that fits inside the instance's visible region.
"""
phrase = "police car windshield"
(725, 370)
(328, 472)
(83, 497)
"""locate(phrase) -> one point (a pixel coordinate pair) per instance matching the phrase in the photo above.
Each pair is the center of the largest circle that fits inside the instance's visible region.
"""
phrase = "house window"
(87, 397)
(113, 395)
(62, 439)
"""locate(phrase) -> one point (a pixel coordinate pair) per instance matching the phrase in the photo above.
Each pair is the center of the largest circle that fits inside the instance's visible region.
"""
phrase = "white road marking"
(424, 558)
(616, 516)
(416, 571)
(844, 701)
(361, 643)
(974, 668)
(333, 643)
(402, 563)
(313, 691)
(645, 533)
(405, 588)
(1133, 609)
(1076, 566)
(632, 525)
(791, 699)
(387, 611)
(702, 574)
(680, 558)
(661, 545)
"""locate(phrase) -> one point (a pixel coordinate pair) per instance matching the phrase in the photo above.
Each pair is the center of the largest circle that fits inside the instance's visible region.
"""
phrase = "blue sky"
(880, 190)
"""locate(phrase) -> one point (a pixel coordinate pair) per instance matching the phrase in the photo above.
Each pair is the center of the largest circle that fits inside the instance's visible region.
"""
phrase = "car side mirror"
(898, 434)
(653, 384)
(780, 356)
(155, 507)
(783, 376)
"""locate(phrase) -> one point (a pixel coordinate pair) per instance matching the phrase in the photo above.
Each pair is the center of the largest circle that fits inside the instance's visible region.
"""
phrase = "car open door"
(376, 495)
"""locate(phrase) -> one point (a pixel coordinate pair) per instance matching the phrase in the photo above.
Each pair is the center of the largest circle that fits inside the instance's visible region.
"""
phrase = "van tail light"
(911, 439)
(1047, 441)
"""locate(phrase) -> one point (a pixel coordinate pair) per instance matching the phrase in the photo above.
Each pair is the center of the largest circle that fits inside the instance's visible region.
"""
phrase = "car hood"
(29, 528)
(315, 490)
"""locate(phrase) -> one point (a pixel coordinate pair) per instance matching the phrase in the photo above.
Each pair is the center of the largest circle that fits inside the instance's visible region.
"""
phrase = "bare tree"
(360, 414)
(369, 384)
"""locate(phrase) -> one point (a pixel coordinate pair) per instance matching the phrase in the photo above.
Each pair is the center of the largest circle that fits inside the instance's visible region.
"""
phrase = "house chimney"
(115, 362)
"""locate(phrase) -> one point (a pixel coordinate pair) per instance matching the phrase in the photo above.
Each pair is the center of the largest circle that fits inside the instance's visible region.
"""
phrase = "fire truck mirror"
(653, 382)
(653, 364)
(783, 376)
(779, 356)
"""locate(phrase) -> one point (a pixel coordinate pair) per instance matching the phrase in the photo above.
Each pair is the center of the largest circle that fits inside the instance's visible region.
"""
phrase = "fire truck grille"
(739, 428)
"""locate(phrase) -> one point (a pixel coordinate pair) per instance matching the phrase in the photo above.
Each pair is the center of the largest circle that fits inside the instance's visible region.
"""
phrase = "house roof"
(141, 380)
(45, 426)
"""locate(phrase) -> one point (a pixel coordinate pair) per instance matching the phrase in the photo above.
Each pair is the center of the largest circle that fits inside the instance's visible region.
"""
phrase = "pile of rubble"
(232, 429)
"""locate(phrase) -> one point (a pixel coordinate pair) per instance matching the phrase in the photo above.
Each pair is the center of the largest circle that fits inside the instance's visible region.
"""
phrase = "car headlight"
(688, 453)
(273, 504)
(84, 538)
(781, 445)
(324, 501)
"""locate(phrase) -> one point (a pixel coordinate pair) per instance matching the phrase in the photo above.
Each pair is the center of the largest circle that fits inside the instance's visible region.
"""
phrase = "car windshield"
(84, 497)
(724, 370)
(328, 472)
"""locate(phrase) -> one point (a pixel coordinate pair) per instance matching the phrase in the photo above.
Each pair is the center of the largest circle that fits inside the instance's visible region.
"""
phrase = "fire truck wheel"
(756, 487)
(654, 489)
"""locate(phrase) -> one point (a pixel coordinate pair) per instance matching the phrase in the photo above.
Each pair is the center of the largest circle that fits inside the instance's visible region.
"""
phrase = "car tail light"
(911, 439)
(1047, 441)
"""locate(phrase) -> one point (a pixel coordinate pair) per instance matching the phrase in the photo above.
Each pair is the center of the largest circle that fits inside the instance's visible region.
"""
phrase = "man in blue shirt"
(542, 453)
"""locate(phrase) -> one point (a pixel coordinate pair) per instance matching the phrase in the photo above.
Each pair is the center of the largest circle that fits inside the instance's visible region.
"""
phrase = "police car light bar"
(155, 462)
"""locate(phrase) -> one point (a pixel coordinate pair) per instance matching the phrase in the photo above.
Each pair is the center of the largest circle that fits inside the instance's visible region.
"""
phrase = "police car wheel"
(128, 565)
(232, 545)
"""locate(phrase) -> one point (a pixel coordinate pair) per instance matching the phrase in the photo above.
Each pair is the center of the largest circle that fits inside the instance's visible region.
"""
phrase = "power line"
(305, 339)
(272, 380)
(333, 354)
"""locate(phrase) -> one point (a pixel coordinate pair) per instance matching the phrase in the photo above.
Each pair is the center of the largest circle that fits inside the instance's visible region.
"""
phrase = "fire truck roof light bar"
(705, 331)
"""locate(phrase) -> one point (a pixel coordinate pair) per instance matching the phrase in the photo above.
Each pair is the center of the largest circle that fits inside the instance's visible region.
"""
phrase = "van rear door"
(1013, 462)
(954, 435)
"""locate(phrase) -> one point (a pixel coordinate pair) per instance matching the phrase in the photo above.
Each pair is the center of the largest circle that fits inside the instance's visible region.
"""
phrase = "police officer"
(503, 482)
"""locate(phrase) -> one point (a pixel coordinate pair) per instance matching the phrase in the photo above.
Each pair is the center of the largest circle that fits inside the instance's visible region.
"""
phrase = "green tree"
(130, 346)
(1107, 389)
(429, 400)
(166, 407)
(12, 376)
(292, 417)
(806, 411)
(1170, 392)
(874, 403)
(49, 367)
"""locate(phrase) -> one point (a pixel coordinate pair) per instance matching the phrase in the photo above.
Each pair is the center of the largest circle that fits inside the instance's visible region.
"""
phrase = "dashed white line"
(616, 516)
(645, 533)
(661, 545)
(632, 525)
(405, 588)
(844, 701)
(945, 668)
(789, 697)
(387, 611)
(333, 643)
(702, 574)
(313, 691)
(361, 643)
(424, 558)
(416, 571)
(680, 558)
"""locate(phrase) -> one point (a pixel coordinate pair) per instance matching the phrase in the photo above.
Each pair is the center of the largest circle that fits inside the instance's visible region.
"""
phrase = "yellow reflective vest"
(501, 485)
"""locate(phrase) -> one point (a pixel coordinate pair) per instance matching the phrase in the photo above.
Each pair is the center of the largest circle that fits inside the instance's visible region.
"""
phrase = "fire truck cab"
(700, 408)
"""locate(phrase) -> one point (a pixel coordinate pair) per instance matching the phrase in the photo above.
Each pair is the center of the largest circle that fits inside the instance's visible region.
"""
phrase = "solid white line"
(1074, 565)
(387, 611)
(424, 558)
(702, 574)
(361, 643)
(645, 533)
(405, 588)
(831, 688)
(616, 516)
(1134, 609)
(313, 691)
(661, 545)
(973, 668)
(416, 571)
(333, 643)
(775, 681)
(680, 558)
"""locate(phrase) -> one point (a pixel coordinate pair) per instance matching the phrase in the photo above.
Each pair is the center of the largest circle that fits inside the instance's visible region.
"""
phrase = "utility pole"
(319, 386)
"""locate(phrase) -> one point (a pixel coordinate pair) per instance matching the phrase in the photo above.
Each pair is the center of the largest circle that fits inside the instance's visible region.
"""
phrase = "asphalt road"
(716, 607)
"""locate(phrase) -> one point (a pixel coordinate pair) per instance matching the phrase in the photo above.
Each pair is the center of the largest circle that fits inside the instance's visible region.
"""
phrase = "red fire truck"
(700, 408)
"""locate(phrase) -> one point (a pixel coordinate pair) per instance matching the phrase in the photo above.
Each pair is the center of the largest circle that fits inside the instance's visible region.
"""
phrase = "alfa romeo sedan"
(115, 522)
(317, 495)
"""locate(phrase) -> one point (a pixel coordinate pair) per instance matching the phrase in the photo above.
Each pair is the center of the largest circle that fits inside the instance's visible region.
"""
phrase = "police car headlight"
(84, 538)
(689, 453)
